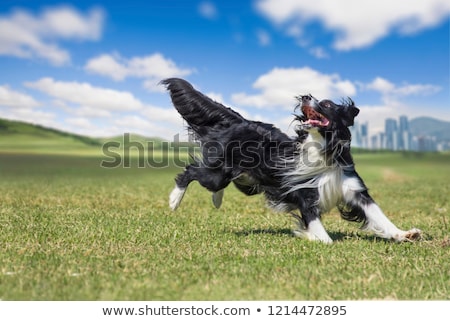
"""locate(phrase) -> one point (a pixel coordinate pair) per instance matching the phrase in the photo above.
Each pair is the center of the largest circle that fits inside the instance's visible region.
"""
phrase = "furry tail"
(201, 112)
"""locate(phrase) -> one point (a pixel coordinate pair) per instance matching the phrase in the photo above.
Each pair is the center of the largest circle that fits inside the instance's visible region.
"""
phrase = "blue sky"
(93, 67)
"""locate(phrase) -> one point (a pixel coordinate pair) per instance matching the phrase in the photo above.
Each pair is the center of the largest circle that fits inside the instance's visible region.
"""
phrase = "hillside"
(427, 126)
(127, 139)
(8, 127)
(16, 136)
(21, 136)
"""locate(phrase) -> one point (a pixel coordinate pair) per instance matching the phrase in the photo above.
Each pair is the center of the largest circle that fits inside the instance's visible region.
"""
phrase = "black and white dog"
(313, 172)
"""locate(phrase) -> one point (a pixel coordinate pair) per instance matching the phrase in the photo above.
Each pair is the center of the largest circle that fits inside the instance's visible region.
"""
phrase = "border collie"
(306, 176)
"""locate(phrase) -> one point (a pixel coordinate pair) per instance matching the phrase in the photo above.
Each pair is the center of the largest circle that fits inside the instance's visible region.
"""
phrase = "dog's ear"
(351, 112)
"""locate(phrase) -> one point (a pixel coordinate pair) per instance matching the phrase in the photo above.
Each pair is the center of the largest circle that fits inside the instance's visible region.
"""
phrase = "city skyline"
(396, 136)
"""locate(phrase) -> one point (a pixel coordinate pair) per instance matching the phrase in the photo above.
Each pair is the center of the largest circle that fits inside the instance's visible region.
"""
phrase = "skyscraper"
(364, 135)
(404, 135)
(390, 130)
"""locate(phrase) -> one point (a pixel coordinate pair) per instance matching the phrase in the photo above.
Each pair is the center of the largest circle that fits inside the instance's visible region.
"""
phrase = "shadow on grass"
(270, 231)
(335, 236)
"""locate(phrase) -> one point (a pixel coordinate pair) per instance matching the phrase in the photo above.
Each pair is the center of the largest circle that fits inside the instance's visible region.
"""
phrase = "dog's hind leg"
(175, 197)
(212, 179)
(181, 183)
(217, 198)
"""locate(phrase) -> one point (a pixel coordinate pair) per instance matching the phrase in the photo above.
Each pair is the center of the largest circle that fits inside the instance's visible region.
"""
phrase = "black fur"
(259, 158)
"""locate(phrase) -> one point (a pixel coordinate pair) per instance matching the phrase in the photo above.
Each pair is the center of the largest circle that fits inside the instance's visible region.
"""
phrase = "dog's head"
(325, 114)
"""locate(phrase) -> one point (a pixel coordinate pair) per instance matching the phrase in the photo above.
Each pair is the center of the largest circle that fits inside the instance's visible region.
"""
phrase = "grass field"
(71, 230)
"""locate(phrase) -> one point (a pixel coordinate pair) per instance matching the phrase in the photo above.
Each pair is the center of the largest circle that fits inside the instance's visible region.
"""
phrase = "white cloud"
(392, 104)
(147, 127)
(279, 86)
(107, 65)
(390, 91)
(116, 111)
(79, 122)
(159, 114)
(381, 85)
(19, 106)
(263, 38)
(25, 35)
(14, 99)
(153, 68)
(318, 52)
(80, 111)
(218, 97)
(84, 94)
(207, 10)
(356, 23)
(33, 116)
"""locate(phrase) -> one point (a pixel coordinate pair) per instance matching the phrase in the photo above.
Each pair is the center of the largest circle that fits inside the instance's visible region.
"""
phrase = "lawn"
(72, 230)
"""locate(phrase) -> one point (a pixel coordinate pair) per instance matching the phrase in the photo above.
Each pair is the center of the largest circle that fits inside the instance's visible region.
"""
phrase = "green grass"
(71, 230)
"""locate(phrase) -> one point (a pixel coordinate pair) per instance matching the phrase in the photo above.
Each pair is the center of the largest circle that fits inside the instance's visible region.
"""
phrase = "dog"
(305, 176)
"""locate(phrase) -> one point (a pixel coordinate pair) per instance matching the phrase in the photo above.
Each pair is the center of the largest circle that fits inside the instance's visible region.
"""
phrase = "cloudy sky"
(93, 67)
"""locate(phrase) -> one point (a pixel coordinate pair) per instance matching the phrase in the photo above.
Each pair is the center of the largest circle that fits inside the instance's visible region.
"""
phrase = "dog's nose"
(306, 98)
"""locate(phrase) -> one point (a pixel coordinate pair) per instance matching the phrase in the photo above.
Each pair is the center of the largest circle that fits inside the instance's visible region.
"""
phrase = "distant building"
(396, 136)
(404, 135)
(364, 135)
(390, 130)
(360, 135)
(425, 144)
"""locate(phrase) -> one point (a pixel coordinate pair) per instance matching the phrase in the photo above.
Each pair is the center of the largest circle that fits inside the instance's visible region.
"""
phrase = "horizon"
(94, 70)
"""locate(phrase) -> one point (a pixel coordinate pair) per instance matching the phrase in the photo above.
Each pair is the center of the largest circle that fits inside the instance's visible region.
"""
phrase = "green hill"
(16, 136)
(130, 139)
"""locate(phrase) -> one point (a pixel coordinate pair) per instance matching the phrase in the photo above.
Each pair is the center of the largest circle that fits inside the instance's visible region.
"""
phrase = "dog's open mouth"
(313, 118)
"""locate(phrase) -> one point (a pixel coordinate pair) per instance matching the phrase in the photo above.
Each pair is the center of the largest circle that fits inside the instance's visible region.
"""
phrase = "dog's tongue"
(315, 122)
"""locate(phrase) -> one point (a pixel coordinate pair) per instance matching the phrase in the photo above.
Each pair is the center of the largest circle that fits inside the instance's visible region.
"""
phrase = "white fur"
(314, 232)
(350, 185)
(379, 224)
(330, 190)
(312, 150)
(310, 164)
(175, 197)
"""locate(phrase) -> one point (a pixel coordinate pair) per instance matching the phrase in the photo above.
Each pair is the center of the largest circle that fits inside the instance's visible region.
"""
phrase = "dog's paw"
(304, 234)
(413, 234)
(175, 197)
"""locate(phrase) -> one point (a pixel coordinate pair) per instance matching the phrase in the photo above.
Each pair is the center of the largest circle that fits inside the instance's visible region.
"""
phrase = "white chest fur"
(312, 170)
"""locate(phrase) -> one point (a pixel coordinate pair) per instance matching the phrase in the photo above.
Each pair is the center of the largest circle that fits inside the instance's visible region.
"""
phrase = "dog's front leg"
(310, 227)
(360, 207)
(379, 224)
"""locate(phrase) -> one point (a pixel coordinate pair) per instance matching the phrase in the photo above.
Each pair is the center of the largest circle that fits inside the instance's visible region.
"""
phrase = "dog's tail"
(200, 112)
